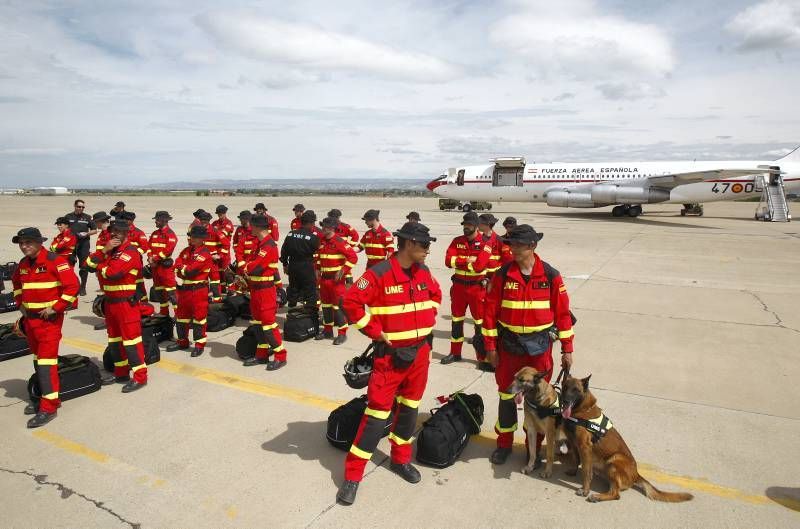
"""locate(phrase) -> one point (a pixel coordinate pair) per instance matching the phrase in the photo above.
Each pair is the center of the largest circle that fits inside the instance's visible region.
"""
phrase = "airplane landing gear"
(625, 209)
(692, 209)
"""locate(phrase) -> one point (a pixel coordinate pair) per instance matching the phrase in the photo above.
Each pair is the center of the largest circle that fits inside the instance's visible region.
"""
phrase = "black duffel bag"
(343, 423)
(446, 434)
(11, 345)
(247, 343)
(7, 302)
(77, 376)
(218, 320)
(155, 329)
(7, 270)
(301, 324)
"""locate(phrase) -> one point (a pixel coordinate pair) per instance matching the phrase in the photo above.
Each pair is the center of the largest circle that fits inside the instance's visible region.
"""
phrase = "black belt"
(111, 301)
(262, 286)
(466, 282)
(198, 286)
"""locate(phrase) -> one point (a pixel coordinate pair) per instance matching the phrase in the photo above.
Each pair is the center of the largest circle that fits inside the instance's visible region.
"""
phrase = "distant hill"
(289, 184)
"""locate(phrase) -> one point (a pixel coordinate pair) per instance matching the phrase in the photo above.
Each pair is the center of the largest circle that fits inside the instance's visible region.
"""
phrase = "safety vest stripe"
(378, 414)
(330, 268)
(68, 299)
(199, 322)
(507, 304)
(260, 279)
(399, 440)
(35, 305)
(360, 324)
(194, 282)
(407, 335)
(563, 335)
(41, 285)
(118, 288)
(47, 361)
(51, 396)
(489, 332)
(356, 451)
(408, 402)
(467, 273)
(134, 341)
(500, 429)
(375, 257)
(331, 256)
(521, 329)
(373, 245)
(505, 396)
(402, 309)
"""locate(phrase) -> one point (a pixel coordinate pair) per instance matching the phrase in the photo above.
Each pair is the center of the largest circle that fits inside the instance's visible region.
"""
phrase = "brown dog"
(542, 415)
(600, 446)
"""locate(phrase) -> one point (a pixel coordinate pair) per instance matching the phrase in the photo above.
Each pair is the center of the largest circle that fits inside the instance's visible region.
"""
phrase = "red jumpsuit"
(193, 266)
(138, 238)
(350, 236)
(467, 289)
(262, 277)
(243, 243)
(493, 240)
(45, 281)
(64, 245)
(119, 273)
(335, 255)
(404, 307)
(505, 253)
(521, 306)
(224, 229)
(162, 245)
(378, 244)
(213, 243)
(274, 231)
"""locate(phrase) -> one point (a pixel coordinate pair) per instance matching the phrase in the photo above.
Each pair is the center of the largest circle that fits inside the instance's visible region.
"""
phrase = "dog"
(542, 415)
(600, 446)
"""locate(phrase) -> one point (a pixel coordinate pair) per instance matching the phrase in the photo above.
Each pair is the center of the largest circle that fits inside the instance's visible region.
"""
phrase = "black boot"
(407, 471)
(132, 386)
(31, 409)
(253, 361)
(176, 347)
(449, 359)
(322, 335)
(500, 455)
(100, 326)
(274, 365)
(339, 340)
(347, 492)
(197, 351)
(40, 419)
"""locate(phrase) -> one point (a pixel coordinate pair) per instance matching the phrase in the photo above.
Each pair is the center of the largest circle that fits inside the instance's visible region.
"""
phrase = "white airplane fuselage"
(539, 179)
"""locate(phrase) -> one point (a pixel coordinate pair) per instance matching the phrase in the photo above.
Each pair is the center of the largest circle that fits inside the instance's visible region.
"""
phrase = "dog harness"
(598, 427)
(554, 410)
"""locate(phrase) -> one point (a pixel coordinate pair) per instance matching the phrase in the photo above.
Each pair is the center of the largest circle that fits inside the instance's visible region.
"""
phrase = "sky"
(105, 92)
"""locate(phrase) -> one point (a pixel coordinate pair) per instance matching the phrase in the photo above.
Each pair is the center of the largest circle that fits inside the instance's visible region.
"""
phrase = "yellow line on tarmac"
(282, 392)
(70, 446)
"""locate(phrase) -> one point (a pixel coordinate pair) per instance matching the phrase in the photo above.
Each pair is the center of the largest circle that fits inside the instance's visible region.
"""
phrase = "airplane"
(624, 185)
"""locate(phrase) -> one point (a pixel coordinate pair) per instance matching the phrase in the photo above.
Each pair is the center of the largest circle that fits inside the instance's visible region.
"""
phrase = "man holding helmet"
(162, 244)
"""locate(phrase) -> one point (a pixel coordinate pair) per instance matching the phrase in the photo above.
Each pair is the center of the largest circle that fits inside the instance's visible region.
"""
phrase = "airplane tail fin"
(793, 156)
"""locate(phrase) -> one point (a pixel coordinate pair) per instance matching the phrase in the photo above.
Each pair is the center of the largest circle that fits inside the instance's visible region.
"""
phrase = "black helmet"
(147, 272)
(358, 369)
(97, 306)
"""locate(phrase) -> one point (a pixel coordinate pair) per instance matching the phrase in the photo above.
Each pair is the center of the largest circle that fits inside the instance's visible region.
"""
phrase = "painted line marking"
(486, 437)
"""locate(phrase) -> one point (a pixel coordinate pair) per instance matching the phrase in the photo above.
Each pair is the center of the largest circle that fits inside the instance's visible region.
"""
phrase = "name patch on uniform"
(125, 257)
(511, 285)
(393, 289)
(362, 283)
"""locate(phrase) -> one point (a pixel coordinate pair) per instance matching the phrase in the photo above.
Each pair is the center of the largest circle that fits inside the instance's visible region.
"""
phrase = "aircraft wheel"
(467, 208)
(635, 211)
(459, 207)
(618, 211)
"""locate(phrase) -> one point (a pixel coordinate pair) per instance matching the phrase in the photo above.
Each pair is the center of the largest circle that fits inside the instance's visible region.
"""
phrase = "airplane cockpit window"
(460, 178)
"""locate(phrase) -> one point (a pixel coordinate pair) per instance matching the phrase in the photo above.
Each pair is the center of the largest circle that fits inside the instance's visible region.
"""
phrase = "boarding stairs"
(773, 206)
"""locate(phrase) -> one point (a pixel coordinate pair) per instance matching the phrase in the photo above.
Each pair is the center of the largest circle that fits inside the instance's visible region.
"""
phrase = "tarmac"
(689, 327)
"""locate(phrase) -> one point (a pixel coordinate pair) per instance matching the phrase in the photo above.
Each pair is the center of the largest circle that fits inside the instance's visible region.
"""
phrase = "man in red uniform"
(335, 260)
(243, 240)
(274, 230)
(486, 224)
(193, 266)
(119, 265)
(224, 228)
(298, 210)
(213, 242)
(505, 250)
(377, 241)
(348, 233)
(44, 287)
(261, 273)
(139, 239)
(526, 308)
(101, 220)
(468, 256)
(379, 304)
(162, 244)
(64, 243)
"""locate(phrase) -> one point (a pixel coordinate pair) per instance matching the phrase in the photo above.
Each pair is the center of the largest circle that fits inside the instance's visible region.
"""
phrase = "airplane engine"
(566, 199)
(613, 194)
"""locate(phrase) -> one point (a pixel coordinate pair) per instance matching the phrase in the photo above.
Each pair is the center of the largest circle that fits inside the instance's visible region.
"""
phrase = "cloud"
(272, 40)
(770, 25)
(629, 91)
(572, 37)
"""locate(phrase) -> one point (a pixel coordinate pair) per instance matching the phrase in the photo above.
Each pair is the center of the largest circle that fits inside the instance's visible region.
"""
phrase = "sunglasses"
(424, 245)
(80, 207)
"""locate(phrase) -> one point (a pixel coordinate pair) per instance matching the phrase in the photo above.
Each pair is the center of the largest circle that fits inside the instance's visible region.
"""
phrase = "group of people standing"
(518, 303)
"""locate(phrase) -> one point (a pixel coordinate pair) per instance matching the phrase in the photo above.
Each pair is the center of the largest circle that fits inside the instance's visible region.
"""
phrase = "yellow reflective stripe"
(181, 320)
(407, 335)
(375, 257)
(470, 268)
(262, 346)
(115, 339)
(162, 255)
(372, 245)
(512, 428)
(279, 349)
(525, 304)
(402, 309)
(330, 268)
(563, 335)
(456, 340)
(257, 279)
(133, 272)
(356, 451)
(453, 261)
(408, 402)
(468, 273)
(331, 256)
(269, 327)
(194, 282)
(273, 265)
(478, 322)
(200, 340)
(378, 414)
(118, 288)
(137, 368)
(158, 245)
(132, 342)
(67, 298)
(505, 396)
(458, 318)
(489, 332)
(17, 292)
(399, 440)
(41, 285)
(122, 363)
(34, 305)
(360, 324)
(51, 396)
(47, 361)
(524, 330)
(199, 322)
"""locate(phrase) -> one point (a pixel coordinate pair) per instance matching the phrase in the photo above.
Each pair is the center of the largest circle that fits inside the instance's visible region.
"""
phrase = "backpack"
(238, 305)
(7, 270)
(219, 320)
(343, 423)
(446, 434)
(7, 302)
(155, 329)
(301, 324)
(11, 345)
(247, 343)
(77, 376)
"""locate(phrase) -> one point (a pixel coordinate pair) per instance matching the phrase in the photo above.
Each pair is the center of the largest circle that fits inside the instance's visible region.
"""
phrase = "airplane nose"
(433, 184)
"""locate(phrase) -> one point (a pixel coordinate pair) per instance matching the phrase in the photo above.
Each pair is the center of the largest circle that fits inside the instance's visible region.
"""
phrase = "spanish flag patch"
(62, 267)
(125, 257)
